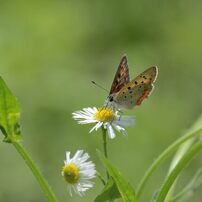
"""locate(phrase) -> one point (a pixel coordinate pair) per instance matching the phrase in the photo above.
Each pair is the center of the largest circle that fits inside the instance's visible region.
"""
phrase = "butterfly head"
(111, 102)
(110, 98)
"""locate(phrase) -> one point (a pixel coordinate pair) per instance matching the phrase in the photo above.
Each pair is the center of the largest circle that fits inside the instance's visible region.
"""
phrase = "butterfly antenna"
(100, 86)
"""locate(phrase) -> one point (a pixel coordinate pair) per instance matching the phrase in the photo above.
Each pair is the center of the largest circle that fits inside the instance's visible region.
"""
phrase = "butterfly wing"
(147, 77)
(137, 90)
(121, 77)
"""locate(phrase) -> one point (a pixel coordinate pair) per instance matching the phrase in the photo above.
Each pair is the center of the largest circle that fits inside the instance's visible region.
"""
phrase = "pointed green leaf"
(109, 193)
(9, 113)
(125, 189)
(170, 179)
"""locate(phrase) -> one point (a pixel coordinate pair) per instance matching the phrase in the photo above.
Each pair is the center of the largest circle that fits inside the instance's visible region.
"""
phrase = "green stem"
(178, 168)
(44, 185)
(104, 136)
(162, 156)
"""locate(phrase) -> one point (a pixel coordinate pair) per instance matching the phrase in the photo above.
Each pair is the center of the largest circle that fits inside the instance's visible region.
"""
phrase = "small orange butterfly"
(127, 94)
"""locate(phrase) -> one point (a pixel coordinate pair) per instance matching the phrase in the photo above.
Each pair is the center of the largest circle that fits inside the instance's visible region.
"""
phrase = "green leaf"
(170, 179)
(181, 151)
(109, 193)
(9, 114)
(197, 124)
(163, 156)
(125, 189)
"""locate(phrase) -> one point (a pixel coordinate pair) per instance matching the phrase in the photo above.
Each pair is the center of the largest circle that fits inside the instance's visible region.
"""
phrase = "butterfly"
(127, 94)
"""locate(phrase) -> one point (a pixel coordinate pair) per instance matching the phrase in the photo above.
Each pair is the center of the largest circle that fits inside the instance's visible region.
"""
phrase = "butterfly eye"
(111, 98)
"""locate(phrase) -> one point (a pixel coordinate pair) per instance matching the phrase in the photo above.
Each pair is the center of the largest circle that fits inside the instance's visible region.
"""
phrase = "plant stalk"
(104, 136)
(162, 156)
(35, 171)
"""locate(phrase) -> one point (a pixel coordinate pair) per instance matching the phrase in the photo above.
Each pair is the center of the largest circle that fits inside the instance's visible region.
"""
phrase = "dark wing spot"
(150, 79)
(144, 77)
(136, 82)
(130, 91)
(129, 88)
(140, 86)
(142, 81)
(123, 92)
(125, 96)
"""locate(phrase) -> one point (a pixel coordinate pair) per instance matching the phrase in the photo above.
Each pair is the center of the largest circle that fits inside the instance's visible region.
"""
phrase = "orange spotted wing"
(127, 94)
(134, 92)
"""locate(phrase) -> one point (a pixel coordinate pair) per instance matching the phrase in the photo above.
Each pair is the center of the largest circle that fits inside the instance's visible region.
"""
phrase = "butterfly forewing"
(121, 77)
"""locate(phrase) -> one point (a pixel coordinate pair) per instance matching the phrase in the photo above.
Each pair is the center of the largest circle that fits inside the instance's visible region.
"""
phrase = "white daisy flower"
(77, 172)
(106, 117)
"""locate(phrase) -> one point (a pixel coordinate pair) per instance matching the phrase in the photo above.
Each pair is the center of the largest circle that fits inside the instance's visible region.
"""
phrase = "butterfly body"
(127, 94)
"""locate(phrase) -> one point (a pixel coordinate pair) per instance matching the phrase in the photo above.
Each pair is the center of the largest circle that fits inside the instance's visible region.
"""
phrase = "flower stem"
(104, 136)
(162, 156)
(35, 171)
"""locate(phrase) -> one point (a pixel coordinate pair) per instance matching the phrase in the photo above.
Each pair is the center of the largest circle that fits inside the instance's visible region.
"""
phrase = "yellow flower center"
(104, 115)
(71, 173)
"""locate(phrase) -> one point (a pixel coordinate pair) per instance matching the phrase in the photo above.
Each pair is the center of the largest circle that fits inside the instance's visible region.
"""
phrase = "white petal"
(110, 131)
(77, 155)
(67, 157)
(87, 121)
(120, 129)
(96, 127)
(84, 158)
(81, 116)
(92, 129)
(84, 115)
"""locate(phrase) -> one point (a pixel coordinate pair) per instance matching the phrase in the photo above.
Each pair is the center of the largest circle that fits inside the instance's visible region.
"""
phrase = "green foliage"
(9, 114)
(163, 156)
(183, 149)
(170, 179)
(109, 192)
(9, 121)
(190, 189)
(126, 191)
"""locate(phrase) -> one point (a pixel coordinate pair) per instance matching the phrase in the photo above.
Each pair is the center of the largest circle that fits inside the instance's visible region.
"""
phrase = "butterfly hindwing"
(134, 96)
(148, 76)
(137, 90)
(121, 77)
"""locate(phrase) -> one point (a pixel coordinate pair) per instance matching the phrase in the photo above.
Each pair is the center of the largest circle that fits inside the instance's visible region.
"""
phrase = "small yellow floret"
(71, 173)
(104, 115)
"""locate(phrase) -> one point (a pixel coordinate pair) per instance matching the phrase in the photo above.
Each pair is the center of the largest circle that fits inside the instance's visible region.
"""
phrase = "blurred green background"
(49, 53)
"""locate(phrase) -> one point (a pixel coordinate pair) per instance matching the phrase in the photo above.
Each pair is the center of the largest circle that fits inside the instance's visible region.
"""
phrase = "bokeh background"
(49, 53)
